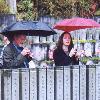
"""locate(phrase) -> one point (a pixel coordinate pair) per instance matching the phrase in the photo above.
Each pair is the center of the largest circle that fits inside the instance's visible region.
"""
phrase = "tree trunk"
(12, 6)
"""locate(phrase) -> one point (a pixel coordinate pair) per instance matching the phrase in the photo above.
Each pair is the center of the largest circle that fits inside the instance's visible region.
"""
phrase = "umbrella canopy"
(76, 24)
(30, 28)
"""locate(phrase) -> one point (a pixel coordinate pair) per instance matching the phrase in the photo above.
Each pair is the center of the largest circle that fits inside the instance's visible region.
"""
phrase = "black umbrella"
(30, 28)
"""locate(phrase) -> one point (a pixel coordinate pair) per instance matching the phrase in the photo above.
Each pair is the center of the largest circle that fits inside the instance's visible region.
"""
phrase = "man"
(14, 55)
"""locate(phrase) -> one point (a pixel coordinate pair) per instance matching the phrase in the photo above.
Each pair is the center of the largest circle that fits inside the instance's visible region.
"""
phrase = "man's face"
(20, 39)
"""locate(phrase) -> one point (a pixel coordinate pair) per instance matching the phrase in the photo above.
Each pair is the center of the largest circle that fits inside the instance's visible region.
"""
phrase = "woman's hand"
(73, 52)
(30, 54)
(80, 53)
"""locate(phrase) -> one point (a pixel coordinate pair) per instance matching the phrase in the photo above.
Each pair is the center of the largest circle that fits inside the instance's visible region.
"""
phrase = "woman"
(14, 55)
(65, 54)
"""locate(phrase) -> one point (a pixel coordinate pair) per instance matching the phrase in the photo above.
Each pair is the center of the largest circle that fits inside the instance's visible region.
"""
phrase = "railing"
(7, 19)
(59, 83)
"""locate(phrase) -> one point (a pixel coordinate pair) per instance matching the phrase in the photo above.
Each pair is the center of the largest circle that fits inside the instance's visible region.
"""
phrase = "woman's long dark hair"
(60, 42)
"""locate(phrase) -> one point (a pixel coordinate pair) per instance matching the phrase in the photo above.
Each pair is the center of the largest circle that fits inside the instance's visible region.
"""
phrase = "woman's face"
(66, 39)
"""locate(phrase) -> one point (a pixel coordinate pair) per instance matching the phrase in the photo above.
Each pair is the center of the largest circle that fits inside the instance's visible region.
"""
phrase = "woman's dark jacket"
(13, 59)
(61, 59)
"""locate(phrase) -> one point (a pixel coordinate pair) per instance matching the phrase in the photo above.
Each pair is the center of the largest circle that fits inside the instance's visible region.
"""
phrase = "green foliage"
(55, 9)
(25, 10)
(65, 8)
(3, 7)
(94, 59)
(24, 5)
(97, 12)
(31, 9)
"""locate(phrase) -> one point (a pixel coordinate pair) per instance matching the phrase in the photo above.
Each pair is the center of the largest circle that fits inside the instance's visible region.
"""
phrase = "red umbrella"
(76, 24)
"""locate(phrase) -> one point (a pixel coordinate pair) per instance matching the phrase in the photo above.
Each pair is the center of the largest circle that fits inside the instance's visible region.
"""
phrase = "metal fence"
(7, 19)
(59, 83)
